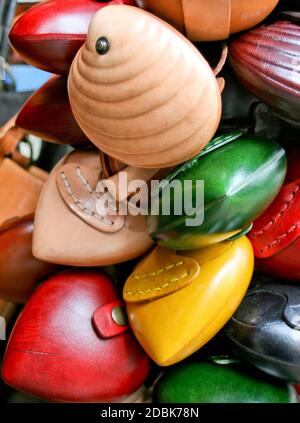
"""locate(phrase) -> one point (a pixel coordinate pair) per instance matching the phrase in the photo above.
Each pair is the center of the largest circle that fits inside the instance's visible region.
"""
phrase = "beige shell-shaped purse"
(76, 223)
(141, 92)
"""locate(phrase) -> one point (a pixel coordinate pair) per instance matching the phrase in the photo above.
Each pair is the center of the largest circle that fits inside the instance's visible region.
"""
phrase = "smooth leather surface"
(55, 352)
(63, 235)
(19, 191)
(49, 35)
(19, 270)
(152, 99)
(265, 60)
(265, 330)
(242, 175)
(204, 20)
(173, 326)
(212, 383)
(47, 114)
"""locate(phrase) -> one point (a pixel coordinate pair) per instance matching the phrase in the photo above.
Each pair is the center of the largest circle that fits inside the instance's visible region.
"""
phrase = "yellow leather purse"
(177, 302)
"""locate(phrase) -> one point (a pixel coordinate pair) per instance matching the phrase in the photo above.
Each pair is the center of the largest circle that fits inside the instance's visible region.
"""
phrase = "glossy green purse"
(213, 383)
(242, 175)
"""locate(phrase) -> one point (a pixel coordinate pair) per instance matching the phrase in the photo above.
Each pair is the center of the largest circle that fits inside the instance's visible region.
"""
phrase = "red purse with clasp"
(72, 343)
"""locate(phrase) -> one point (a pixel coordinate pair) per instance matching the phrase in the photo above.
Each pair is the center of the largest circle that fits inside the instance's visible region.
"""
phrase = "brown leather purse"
(74, 226)
(20, 183)
(210, 20)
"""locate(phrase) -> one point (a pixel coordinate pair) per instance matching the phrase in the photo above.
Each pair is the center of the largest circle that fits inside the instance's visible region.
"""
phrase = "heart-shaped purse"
(71, 342)
(212, 383)
(265, 330)
(141, 92)
(20, 185)
(177, 302)
(241, 177)
(275, 236)
(266, 59)
(19, 270)
(49, 34)
(203, 20)
(74, 225)
(47, 114)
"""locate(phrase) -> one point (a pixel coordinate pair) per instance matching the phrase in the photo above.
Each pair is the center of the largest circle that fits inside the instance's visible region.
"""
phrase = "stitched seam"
(280, 238)
(279, 215)
(77, 201)
(158, 288)
(158, 272)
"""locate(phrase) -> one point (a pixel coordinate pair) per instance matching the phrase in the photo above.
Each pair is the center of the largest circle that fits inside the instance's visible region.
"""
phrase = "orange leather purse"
(20, 183)
(141, 92)
(210, 20)
(76, 225)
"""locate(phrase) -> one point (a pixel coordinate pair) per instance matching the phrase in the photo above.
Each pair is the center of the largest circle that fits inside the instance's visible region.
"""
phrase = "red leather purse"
(275, 236)
(71, 343)
(49, 35)
(19, 270)
(47, 114)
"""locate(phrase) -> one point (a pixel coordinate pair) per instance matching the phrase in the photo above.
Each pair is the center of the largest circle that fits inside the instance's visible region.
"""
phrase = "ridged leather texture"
(56, 353)
(203, 20)
(47, 114)
(174, 310)
(266, 60)
(49, 34)
(212, 383)
(152, 99)
(242, 175)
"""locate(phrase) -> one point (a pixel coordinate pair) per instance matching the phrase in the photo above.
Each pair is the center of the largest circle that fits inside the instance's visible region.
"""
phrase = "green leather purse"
(242, 175)
(213, 383)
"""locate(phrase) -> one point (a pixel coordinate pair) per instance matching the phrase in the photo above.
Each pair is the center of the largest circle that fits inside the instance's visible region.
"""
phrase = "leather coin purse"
(20, 184)
(19, 270)
(203, 20)
(266, 59)
(47, 114)
(141, 92)
(71, 342)
(212, 383)
(241, 174)
(265, 330)
(49, 34)
(73, 227)
(177, 302)
(275, 236)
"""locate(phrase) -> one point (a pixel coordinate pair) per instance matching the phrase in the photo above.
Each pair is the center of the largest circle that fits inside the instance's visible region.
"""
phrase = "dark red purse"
(49, 35)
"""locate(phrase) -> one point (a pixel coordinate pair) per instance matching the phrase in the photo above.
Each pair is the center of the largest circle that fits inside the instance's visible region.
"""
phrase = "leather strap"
(194, 10)
(110, 320)
(160, 274)
(77, 186)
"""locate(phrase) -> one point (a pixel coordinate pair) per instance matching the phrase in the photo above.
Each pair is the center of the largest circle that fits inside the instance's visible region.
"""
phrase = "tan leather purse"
(141, 92)
(210, 20)
(72, 228)
(20, 184)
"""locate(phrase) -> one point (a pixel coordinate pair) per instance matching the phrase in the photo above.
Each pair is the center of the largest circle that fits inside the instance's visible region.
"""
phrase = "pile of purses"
(115, 300)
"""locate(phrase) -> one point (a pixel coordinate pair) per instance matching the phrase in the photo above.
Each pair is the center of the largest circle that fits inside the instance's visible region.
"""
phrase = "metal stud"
(102, 45)
(119, 316)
